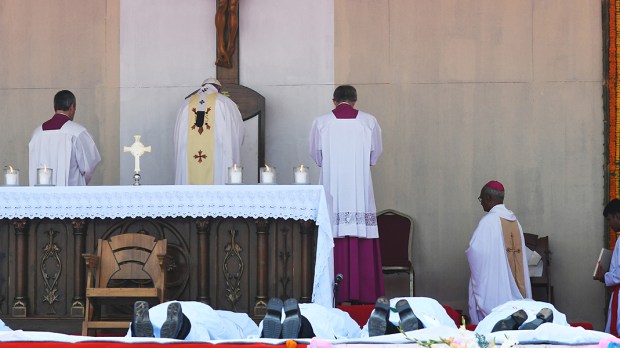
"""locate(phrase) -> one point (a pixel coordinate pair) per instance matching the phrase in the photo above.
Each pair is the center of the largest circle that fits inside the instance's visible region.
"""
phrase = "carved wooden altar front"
(229, 263)
(233, 264)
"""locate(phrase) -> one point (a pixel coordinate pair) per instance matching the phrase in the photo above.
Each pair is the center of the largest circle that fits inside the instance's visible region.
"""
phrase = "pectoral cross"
(137, 149)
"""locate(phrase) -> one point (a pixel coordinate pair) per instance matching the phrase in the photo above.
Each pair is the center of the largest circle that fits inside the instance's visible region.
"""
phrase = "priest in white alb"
(345, 143)
(208, 136)
(496, 256)
(63, 146)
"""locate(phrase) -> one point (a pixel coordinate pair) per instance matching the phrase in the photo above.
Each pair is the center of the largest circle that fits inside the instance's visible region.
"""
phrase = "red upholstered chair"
(454, 315)
(359, 313)
(396, 239)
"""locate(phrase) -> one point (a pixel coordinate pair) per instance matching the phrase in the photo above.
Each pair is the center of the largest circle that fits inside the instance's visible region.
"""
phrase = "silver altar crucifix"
(137, 149)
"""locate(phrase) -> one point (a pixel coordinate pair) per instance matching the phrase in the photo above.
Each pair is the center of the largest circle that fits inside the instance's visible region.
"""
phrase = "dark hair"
(345, 93)
(493, 193)
(612, 208)
(63, 100)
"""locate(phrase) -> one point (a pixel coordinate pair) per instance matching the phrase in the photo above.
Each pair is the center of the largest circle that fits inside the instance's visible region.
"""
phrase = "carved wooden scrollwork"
(284, 255)
(233, 270)
(51, 268)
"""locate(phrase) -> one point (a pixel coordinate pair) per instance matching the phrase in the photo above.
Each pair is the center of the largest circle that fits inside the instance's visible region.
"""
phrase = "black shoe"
(141, 323)
(292, 322)
(545, 315)
(408, 320)
(272, 323)
(377, 322)
(512, 322)
(174, 321)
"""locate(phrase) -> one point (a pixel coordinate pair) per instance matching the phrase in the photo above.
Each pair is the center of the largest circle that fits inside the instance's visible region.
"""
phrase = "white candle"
(44, 176)
(267, 175)
(11, 176)
(235, 175)
(301, 175)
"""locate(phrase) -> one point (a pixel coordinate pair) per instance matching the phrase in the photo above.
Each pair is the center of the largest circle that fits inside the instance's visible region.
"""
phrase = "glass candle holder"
(11, 176)
(301, 175)
(267, 175)
(235, 174)
(44, 176)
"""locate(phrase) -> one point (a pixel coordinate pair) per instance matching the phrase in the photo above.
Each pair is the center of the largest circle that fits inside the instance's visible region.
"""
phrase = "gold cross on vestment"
(200, 156)
(137, 149)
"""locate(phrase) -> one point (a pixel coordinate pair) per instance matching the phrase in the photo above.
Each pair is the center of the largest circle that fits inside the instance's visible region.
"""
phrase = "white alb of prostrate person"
(207, 323)
(530, 307)
(426, 309)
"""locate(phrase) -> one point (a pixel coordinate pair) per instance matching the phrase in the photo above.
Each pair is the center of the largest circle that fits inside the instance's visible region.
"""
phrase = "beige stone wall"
(467, 91)
(47, 46)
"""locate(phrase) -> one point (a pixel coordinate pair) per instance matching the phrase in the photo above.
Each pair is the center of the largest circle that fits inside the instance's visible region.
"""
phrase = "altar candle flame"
(301, 168)
(267, 167)
(10, 169)
(235, 167)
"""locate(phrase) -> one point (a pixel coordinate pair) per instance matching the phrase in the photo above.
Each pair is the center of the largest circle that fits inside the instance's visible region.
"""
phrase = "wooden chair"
(127, 268)
(396, 239)
(541, 246)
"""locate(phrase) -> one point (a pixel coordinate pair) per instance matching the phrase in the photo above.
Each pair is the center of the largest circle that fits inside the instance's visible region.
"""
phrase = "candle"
(267, 175)
(11, 176)
(44, 176)
(301, 175)
(235, 175)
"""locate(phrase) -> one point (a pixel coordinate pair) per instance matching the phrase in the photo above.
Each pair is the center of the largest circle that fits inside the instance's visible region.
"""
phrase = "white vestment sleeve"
(87, 155)
(315, 144)
(376, 144)
(180, 145)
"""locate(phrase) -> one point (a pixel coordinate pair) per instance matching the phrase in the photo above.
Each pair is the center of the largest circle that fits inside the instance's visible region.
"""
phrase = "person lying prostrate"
(412, 313)
(520, 315)
(289, 319)
(189, 321)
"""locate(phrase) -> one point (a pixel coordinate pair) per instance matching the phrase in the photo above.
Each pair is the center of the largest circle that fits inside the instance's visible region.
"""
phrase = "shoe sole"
(408, 320)
(377, 323)
(172, 325)
(545, 315)
(141, 320)
(512, 322)
(272, 326)
(292, 322)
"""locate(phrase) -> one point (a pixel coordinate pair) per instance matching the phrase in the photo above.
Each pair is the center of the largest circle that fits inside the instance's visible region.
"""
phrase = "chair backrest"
(130, 257)
(541, 246)
(396, 238)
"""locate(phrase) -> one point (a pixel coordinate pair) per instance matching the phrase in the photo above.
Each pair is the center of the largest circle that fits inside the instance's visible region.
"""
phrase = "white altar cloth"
(298, 202)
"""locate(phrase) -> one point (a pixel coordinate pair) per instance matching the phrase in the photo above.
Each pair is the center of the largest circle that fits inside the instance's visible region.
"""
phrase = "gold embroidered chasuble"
(513, 244)
(200, 139)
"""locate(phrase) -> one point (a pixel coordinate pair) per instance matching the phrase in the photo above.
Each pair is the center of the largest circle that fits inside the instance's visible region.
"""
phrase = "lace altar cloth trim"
(298, 202)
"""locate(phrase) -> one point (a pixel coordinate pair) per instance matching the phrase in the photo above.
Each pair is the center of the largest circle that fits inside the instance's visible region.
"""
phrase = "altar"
(232, 246)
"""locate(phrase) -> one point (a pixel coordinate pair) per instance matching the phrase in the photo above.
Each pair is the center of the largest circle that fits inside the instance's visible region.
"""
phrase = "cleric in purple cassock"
(64, 146)
(345, 143)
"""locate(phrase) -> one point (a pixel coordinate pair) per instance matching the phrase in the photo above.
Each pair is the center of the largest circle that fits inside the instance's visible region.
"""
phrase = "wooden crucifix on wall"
(227, 29)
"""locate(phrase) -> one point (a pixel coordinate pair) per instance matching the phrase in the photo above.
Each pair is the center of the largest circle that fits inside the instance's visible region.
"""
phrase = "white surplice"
(206, 323)
(70, 151)
(229, 132)
(345, 149)
(492, 283)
